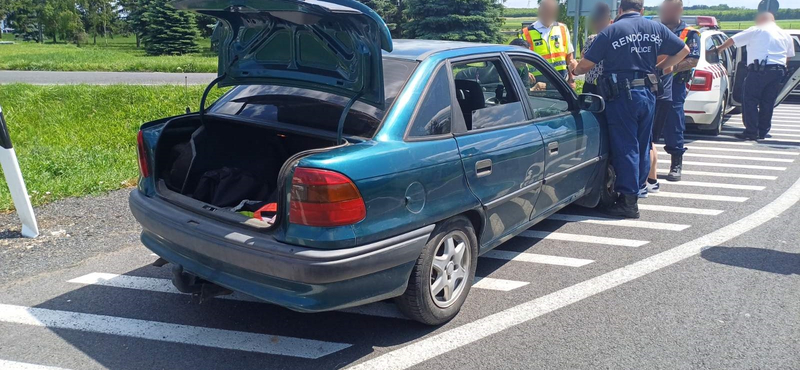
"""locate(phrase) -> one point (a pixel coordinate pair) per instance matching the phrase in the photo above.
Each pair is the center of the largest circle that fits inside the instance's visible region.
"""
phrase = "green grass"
(515, 23)
(75, 140)
(786, 24)
(115, 55)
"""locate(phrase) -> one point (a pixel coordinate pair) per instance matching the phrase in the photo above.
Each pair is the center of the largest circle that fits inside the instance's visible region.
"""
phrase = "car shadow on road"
(761, 259)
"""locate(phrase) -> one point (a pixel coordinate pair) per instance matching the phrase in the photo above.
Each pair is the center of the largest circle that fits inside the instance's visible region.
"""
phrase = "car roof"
(421, 49)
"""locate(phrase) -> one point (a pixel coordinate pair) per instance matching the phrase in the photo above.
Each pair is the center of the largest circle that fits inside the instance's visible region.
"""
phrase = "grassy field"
(74, 140)
(787, 24)
(117, 55)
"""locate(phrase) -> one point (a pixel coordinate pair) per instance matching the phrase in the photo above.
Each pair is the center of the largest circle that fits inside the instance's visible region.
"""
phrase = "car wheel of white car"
(443, 275)
(720, 118)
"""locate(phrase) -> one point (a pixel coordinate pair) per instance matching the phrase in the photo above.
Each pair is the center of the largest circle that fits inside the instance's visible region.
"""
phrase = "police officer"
(674, 120)
(768, 49)
(629, 49)
(550, 39)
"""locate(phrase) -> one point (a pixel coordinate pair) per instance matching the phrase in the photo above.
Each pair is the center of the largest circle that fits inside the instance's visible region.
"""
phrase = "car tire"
(719, 119)
(426, 299)
(608, 196)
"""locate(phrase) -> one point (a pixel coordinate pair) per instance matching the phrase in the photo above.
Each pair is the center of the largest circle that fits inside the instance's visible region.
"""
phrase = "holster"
(653, 83)
(607, 88)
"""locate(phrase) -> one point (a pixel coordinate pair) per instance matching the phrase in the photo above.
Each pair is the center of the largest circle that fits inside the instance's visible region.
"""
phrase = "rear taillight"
(144, 169)
(701, 81)
(324, 198)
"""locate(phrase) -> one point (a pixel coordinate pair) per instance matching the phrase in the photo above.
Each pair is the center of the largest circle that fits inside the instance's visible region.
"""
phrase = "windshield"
(311, 108)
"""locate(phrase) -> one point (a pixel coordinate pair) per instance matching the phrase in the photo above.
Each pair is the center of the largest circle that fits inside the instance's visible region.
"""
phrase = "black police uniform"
(628, 49)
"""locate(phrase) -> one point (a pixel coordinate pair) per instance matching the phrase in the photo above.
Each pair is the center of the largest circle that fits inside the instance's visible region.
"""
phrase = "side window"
(486, 94)
(544, 95)
(434, 115)
(725, 57)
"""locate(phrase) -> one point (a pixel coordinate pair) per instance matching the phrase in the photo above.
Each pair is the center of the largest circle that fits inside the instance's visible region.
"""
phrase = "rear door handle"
(483, 167)
(553, 147)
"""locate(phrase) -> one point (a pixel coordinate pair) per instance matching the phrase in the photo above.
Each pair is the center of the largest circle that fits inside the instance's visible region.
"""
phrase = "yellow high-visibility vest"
(554, 52)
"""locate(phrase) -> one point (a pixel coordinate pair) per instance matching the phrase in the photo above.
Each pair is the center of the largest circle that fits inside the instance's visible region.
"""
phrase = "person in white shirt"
(768, 49)
(551, 40)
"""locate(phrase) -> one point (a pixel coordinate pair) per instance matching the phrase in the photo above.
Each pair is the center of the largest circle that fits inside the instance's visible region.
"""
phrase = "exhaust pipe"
(190, 283)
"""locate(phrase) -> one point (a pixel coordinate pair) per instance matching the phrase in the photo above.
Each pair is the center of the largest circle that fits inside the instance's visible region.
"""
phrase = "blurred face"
(599, 24)
(670, 12)
(548, 12)
(764, 18)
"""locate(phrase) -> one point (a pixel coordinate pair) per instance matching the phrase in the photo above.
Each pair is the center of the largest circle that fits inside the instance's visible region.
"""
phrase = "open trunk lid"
(331, 45)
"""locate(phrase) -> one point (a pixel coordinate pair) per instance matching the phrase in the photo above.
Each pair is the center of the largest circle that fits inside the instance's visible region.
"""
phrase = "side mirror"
(712, 56)
(591, 102)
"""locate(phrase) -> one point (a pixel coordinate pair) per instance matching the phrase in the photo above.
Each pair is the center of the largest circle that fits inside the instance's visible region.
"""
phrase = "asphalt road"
(105, 78)
(708, 278)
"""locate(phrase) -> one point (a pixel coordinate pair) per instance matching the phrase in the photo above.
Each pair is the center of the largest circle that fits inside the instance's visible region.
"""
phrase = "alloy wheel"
(450, 269)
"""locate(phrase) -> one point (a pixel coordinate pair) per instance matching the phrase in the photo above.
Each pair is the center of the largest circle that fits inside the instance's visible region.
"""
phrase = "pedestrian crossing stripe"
(684, 210)
(582, 238)
(536, 258)
(716, 185)
(619, 222)
(739, 150)
(14, 365)
(737, 157)
(168, 332)
(720, 174)
(718, 198)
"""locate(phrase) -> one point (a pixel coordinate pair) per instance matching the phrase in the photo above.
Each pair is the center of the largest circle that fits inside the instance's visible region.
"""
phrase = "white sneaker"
(643, 192)
(653, 188)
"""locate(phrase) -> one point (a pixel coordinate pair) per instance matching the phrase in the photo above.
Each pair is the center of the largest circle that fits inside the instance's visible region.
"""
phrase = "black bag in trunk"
(226, 187)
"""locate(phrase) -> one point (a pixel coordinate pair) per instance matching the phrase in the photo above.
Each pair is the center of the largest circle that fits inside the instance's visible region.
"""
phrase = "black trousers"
(761, 89)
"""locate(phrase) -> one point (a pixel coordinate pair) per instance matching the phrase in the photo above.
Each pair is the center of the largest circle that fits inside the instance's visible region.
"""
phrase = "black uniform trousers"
(761, 89)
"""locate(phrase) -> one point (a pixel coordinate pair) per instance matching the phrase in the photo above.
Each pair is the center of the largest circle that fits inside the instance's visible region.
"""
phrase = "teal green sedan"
(345, 167)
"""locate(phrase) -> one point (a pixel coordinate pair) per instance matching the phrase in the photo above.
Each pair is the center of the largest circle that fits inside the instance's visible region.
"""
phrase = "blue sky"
(734, 3)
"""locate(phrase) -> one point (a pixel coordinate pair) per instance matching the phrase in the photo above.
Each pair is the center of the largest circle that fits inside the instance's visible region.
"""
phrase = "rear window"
(311, 108)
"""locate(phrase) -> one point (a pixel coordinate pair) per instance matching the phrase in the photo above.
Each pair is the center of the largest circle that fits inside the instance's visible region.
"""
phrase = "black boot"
(626, 206)
(675, 168)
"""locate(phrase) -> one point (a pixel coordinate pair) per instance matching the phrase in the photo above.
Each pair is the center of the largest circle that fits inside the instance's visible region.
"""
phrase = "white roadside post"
(8, 161)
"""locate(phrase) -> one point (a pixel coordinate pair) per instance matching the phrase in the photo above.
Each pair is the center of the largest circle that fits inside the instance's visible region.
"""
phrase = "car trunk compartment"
(215, 165)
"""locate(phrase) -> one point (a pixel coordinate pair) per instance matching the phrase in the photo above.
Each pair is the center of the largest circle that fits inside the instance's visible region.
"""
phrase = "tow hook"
(189, 283)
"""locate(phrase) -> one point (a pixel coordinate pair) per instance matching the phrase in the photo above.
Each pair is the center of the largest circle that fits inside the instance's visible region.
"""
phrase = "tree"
(132, 12)
(463, 20)
(391, 13)
(97, 16)
(168, 31)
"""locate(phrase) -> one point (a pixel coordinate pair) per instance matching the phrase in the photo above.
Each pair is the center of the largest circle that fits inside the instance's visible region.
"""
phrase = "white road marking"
(379, 309)
(742, 143)
(720, 174)
(167, 332)
(737, 157)
(731, 165)
(618, 222)
(536, 258)
(737, 125)
(14, 365)
(498, 284)
(727, 135)
(686, 210)
(719, 198)
(737, 150)
(732, 130)
(449, 340)
(581, 238)
(741, 124)
(716, 185)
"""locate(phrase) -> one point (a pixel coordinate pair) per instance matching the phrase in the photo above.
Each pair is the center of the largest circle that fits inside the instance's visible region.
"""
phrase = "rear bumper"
(299, 278)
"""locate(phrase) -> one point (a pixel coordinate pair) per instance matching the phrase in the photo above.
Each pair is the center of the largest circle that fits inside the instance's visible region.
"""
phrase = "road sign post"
(19, 194)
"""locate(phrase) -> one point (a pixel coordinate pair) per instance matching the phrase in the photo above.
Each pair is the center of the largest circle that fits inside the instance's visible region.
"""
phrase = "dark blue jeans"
(630, 125)
(761, 89)
(675, 123)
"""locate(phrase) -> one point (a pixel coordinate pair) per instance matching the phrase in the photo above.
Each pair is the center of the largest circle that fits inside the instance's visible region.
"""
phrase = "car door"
(502, 150)
(725, 62)
(794, 72)
(571, 141)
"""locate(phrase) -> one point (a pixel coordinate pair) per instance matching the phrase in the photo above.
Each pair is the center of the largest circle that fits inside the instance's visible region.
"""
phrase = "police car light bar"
(707, 21)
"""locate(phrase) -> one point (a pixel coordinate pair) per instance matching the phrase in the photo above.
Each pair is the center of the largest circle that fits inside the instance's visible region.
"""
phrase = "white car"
(709, 86)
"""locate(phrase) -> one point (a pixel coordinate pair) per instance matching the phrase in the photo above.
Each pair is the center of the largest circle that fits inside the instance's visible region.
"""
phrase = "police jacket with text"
(631, 44)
